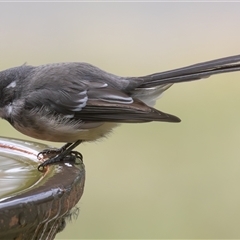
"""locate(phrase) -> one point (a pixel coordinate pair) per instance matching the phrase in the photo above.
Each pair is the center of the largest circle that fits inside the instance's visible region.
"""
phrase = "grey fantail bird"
(76, 102)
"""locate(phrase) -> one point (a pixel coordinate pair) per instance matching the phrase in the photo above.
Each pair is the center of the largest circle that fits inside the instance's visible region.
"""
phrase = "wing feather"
(95, 103)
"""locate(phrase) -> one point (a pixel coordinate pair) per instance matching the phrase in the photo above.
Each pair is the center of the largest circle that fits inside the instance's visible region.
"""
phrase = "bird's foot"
(49, 152)
(63, 154)
(72, 156)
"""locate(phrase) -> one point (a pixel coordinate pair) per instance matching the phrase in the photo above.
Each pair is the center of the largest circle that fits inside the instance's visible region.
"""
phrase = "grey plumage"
(67, 102)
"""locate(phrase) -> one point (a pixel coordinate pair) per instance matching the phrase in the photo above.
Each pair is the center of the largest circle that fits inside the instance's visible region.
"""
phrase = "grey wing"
(95, 102)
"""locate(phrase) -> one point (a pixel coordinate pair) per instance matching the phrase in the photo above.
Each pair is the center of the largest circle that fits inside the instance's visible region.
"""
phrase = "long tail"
(193, 72)
(149, 88)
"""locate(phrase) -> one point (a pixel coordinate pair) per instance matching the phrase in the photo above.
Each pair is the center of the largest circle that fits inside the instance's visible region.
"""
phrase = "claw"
(46, 153)
(77, 155)
(41, 168)
(73, 156)
(62, 154)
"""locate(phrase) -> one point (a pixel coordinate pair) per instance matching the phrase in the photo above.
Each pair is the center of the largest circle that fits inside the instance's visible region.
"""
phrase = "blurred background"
(154, 180)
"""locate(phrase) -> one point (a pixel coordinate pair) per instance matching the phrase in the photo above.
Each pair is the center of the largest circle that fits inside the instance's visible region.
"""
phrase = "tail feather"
(193, 72)
(150, 95)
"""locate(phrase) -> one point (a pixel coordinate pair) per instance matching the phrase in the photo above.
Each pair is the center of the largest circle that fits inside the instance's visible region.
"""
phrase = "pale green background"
(155, 180)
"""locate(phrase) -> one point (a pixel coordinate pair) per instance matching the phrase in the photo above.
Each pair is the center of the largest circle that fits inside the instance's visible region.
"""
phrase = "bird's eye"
(7, 97)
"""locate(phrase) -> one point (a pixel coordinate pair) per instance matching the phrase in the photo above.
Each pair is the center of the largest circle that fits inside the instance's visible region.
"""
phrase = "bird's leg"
(64, 153)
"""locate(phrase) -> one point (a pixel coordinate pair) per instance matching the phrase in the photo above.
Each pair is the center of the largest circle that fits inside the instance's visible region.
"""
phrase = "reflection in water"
(17, 173)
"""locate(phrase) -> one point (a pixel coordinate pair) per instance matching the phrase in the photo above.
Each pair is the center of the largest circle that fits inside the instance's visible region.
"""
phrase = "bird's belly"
(66, 134)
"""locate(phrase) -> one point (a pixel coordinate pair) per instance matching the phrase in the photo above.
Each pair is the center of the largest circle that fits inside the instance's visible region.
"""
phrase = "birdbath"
(35, 205)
